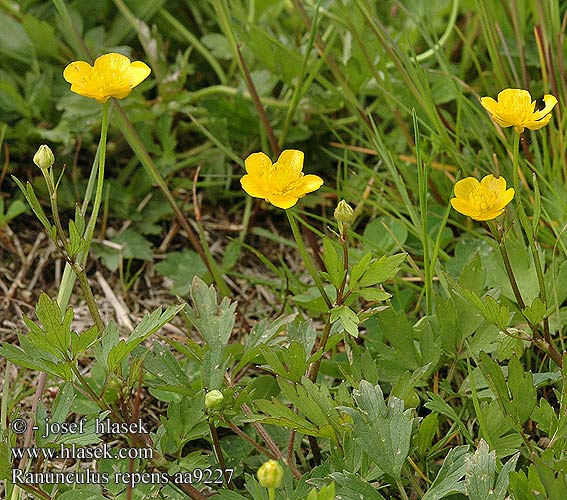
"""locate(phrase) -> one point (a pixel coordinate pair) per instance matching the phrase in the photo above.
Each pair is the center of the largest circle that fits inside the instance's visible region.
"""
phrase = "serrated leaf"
(80, 342)
(449, 478)
(491, 310)
(186, 420)
(347, 318)
(31, 198)
(439, 405)
(263, 332)
(373, 294)
(481, 470)
(351, 486)
(31, 358)
(523, 391)
(358, 270)
(333, 264)
(383, 431)
(289, 362)
(165, 366)
(536, 312)
(56, 332)
(76, 241)
(504, 477)
(150, 324)
(378, 271)
(214, 321)
(277, 413)
(495, 378)
(315, 403)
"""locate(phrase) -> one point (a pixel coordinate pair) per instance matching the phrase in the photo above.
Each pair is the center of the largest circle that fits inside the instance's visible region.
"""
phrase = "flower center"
(282, 180)
(482, 199)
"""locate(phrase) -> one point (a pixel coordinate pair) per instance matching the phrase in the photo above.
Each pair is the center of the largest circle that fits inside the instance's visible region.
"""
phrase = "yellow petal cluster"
(281, 183)
(484, 200)
(515, 107)
(113, 75)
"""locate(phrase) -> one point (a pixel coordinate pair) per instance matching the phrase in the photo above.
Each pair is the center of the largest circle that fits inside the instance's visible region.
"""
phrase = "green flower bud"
(344, 212)
(214, 400)
(270, 474)
(44, 157)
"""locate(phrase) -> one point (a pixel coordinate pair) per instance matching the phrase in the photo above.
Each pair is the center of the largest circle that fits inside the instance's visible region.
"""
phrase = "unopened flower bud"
(344, 212)
(344, 215)
(213, 400)
(270, 474)
(44, 157)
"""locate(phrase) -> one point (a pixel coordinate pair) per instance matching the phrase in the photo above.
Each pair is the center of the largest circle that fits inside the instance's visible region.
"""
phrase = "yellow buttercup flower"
(484, 200)
(281, 183)
(113, 75)
(516, 108)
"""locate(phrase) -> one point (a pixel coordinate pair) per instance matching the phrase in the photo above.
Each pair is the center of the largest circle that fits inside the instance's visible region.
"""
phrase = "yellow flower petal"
(307, 184)
(281, 183)
(463, 207)
(505, 199)
(257, 164)
(292, 159)
(138, 72)
(253, 186)
(484, 200)
(112, 75)
(515, 108)
(76, 72)
(537, 124)
(490, 105)
(465, 187)
(495, 184)
(284, 200)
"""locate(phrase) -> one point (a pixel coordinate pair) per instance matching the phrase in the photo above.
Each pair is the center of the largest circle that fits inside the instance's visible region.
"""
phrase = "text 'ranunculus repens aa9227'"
(484, 200)
(112, 75)
(281, 183)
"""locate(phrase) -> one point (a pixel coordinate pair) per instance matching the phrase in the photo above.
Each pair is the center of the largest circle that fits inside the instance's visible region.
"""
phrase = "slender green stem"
(5, 396)
(100, 181)
(422, 180)
(88, 389)
(247, 438)
(400, 487)
(307, 259)
(498, 236)
(314, 368)
(344, 244)
(219, 453)
(516, 164)
(89, 297)
(529, 232)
